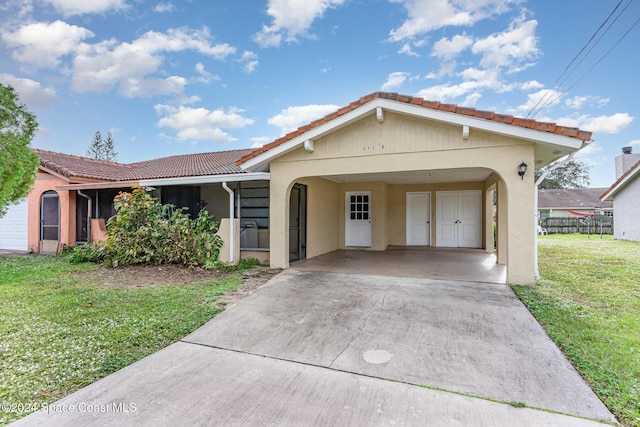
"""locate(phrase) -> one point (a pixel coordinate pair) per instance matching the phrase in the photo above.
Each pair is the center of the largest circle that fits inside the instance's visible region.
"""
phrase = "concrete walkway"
(322, 348)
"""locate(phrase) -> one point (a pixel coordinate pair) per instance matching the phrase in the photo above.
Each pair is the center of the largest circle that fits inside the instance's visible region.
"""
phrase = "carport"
(391, 170)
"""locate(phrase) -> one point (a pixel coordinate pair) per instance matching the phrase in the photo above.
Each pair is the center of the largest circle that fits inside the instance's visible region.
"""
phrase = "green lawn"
(588, 300)
(60, 332)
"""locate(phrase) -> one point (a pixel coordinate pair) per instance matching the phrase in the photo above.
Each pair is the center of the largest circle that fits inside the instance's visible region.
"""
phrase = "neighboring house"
(386, 170)
(567, 202)
(625, 195)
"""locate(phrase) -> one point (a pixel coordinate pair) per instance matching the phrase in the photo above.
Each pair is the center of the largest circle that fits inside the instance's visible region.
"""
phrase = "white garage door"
(14, 228)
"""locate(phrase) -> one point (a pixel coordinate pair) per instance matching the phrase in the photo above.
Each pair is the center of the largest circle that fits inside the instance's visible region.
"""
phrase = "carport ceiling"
(418, 177)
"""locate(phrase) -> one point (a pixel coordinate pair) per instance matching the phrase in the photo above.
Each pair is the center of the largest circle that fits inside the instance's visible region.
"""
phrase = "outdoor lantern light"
(522, 168)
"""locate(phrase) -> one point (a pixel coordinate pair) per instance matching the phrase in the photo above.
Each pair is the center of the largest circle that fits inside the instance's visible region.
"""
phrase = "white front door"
(458, 219)
(358, 218)
(418, 219)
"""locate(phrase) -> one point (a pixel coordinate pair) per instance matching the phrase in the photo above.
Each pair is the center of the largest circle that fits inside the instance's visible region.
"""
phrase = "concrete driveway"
(325, 348)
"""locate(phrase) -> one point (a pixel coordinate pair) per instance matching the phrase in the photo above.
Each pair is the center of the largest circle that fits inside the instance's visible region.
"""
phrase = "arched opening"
(49, 222)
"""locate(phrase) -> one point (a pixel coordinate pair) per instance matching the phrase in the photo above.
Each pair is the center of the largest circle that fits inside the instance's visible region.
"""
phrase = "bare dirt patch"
(140, 276)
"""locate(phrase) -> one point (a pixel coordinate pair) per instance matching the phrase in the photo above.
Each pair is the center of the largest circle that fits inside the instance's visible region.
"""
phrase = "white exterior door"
(418, 219)
(14, 228)
(358, 219)
(459, 219)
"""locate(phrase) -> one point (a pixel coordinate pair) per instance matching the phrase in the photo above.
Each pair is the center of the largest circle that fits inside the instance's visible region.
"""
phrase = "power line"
(555, 93)
(594, 65)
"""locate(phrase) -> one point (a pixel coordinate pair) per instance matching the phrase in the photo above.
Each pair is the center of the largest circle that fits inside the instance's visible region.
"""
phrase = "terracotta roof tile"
(434, 105)
(215, 163)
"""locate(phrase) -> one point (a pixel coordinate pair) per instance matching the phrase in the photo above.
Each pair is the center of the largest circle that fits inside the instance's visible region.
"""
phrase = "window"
(544, 213)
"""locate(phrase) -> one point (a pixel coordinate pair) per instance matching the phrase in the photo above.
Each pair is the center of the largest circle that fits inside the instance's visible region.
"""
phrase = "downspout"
(535, 209)
(232, 223)
(89, 208)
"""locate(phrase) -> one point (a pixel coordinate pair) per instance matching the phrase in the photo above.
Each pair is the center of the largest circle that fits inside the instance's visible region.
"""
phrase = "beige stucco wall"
(397, 207)
(402, 143)
(217, 200)
(323, 207)
(224, 231)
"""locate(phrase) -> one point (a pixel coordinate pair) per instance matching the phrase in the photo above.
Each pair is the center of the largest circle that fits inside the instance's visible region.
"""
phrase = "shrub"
(91, 252)
(144, 231)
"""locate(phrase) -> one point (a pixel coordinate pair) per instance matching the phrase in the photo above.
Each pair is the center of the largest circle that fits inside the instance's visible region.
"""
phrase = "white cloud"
(428, 15)
(30, 92)
(394, 80)
(512, 49)
(600, 124)
(102, 66)
(164, 7)
(578, 102)
(205, 76)
(471, 99)
(259, 141)
(292, 19)
(446, 92)
(250, 61)
(588, 150)
(475, 81)
(634, 142)
(79, 7)
(194, 124)
(292, 118)
(531, 85)
(145, 88)
(538, 99)
(447, 49)
(406, 49)
(43, 44)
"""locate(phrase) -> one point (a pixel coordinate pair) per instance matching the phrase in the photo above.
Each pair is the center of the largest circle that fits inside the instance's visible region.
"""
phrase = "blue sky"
(176, 77)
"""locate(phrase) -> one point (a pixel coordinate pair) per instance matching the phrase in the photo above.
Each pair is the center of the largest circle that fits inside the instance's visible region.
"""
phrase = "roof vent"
(627, 150)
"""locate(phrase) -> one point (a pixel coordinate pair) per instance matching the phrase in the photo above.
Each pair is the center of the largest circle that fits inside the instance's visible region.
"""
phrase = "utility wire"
(594, 65)
(556, 93)
(544, 100)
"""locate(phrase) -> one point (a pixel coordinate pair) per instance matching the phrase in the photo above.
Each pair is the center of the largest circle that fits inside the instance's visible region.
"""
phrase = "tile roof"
(434, 105)
(575, 198)
(628, 172)
(214, 163)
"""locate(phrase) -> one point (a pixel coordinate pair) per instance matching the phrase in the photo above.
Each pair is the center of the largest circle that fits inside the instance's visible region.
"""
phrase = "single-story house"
(625, 194)
(386, 170)
(568, 202)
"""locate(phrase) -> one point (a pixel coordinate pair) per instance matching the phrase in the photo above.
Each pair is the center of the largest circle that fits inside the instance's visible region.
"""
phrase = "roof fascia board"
(621, 184)
(207, 179)
(261, 161)
(98, 185)
(56, 174)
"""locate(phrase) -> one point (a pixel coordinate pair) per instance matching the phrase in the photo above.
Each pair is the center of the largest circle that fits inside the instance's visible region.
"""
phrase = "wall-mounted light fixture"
(522, 169)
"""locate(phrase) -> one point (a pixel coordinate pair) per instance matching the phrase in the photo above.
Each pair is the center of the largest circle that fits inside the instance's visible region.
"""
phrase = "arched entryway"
(49, 222)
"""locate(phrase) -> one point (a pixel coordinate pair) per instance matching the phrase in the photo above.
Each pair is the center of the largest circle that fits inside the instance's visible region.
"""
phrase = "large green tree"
(18, 163)
(573, 174)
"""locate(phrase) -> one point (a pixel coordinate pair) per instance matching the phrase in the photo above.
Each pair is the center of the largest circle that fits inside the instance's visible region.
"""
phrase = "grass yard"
(588, 300)
(64, 326)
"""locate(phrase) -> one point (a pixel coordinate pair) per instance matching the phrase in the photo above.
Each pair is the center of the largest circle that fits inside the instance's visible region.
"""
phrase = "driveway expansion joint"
(360, 374)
